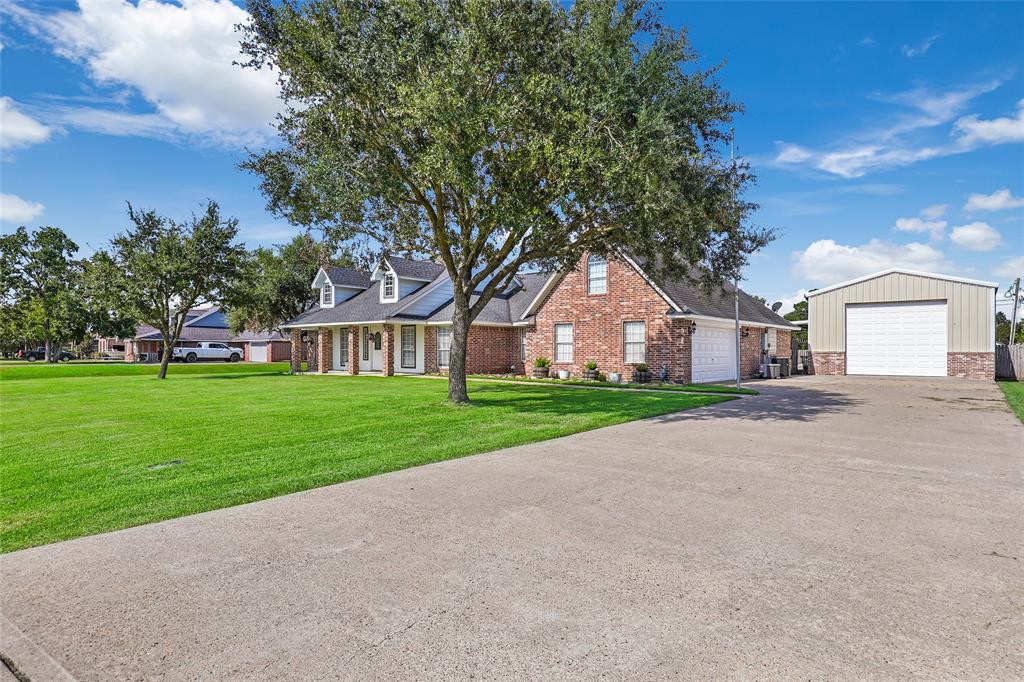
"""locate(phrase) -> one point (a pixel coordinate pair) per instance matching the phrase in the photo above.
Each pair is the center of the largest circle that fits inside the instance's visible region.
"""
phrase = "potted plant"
(590, 371)
(540, 368)
(641, 373)
(563, 374)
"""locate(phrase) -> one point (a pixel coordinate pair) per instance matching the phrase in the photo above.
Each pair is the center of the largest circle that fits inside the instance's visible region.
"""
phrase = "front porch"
(382, 349)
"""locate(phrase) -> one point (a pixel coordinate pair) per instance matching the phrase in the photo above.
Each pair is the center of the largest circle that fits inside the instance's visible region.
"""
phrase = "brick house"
(397, 320)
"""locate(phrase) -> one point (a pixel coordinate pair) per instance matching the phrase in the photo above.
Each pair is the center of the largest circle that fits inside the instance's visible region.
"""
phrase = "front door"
(371, 355)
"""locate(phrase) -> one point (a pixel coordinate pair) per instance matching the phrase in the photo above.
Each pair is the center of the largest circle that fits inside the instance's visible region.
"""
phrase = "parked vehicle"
(40, 354)
(208, 351)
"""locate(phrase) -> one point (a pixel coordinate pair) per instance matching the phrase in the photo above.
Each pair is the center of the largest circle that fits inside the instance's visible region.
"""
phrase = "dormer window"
(389, 286)
(327, 294)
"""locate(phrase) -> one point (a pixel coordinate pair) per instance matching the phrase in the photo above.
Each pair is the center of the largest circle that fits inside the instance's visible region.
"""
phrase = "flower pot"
(591, 374)
(563, 374)
(540, 372)
(642, 377)
(614, 377)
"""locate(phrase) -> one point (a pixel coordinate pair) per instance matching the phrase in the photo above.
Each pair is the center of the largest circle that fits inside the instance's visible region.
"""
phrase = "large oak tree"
(492, 135)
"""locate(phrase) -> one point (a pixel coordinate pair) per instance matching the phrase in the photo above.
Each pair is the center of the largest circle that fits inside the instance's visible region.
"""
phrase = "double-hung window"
(408, 346)
(343, 345)
(522, 345)
(327, 294)
(634, 342)
(444, 346)
(563, 343)
(389, 286)
(597, 275)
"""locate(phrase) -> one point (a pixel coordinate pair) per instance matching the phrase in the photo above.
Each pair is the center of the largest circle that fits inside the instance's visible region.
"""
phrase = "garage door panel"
(902, 339)
(258, 352)
(713, 354)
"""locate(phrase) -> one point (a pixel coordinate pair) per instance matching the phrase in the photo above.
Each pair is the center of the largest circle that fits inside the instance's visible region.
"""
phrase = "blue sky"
(883, 134)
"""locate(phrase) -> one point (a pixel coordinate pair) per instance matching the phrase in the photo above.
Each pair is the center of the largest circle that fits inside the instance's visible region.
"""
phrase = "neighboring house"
(397, 320)
(901, 322)
(201, 324)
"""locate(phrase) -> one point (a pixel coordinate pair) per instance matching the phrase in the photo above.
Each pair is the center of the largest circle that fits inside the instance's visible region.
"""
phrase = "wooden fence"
(1010, 361)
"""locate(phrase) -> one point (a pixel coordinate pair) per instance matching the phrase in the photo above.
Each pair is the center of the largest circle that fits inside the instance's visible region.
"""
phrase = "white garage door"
(906, 339)
(714, 353)
(258, 351)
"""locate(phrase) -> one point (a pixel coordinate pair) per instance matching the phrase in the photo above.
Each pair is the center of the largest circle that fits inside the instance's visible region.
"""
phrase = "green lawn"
(691, 388)
(40, 370)
(1014, 392)
(87, 454)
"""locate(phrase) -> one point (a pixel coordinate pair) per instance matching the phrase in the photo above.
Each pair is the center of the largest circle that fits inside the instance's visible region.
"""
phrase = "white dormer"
(325, 288)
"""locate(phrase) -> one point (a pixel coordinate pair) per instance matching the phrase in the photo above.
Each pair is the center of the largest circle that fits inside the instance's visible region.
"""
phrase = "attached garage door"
(714, 353)
(905, 339)
(258, 351)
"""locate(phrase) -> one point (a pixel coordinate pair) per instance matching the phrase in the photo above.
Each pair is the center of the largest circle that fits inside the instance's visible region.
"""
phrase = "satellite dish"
(776, 306)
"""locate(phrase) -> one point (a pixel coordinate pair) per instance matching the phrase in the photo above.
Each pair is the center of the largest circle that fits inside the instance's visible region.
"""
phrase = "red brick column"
(387, 345)
(750, 352)
(430, 349)
(324, 350)
(353, 350)
(296, 352)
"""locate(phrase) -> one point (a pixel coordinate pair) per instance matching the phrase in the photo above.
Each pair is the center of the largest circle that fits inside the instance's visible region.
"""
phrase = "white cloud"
(974, 132)
(18, 130)
(827, 262)
(14, 209)
(934, 211)
(789, 301)
(177, 56)
(921, 48)
(976, 237)
(1000, 200)
(936, 229)
(1010, 267)
(899, 143)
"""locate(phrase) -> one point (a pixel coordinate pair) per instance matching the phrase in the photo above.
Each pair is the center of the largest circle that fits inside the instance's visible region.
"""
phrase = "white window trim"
(401, 347)
(327, 288)
(571, 343)
(447, 350)
(384, 298)
(625, 354)
(594, 259)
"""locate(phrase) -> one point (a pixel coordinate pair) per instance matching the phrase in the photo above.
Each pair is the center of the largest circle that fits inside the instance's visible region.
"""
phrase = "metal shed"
(904, 323)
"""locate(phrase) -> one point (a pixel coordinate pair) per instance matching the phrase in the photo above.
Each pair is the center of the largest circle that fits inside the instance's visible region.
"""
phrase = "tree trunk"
(457, 391)
(165, 359)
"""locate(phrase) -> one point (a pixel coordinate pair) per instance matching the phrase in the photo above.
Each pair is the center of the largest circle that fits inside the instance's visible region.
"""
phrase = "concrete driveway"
(831, 527)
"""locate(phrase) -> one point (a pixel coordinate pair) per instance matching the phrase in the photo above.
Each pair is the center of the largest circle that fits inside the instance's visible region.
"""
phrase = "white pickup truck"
(208, 351)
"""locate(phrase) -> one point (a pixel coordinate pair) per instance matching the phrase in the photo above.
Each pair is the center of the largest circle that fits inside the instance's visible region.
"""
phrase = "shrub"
(541, 362)
(591, 365)
(641, 367)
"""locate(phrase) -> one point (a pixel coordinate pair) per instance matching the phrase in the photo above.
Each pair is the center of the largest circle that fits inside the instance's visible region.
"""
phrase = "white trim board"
(902, 271)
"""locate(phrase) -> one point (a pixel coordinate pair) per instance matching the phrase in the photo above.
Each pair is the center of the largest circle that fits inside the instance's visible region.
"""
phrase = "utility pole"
(736, 278)
(1013, 318)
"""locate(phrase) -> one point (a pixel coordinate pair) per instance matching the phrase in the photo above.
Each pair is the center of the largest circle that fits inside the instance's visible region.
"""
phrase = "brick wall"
(827, 362)
(597, 321)
(490, 350)
(750, 352)
(971, 365)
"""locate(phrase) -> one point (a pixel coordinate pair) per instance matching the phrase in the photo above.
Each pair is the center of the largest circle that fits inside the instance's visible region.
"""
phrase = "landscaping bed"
(652, 386)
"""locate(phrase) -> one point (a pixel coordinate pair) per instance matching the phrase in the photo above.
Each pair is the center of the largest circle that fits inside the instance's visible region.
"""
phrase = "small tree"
(799, 312)
(161, 269)
(493, 135)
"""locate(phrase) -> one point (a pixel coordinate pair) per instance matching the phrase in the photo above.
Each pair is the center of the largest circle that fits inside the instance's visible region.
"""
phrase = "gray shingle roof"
(348, 277)
(719, 303)
(415, 269)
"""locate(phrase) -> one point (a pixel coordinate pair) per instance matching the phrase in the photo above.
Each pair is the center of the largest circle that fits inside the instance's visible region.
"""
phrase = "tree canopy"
(495, 135)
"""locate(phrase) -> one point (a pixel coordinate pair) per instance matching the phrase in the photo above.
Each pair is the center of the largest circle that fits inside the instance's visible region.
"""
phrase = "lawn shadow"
(775, 403)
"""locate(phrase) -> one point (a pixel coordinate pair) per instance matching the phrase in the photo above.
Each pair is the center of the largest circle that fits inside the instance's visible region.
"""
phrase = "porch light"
(692, 327)
(744, 333)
